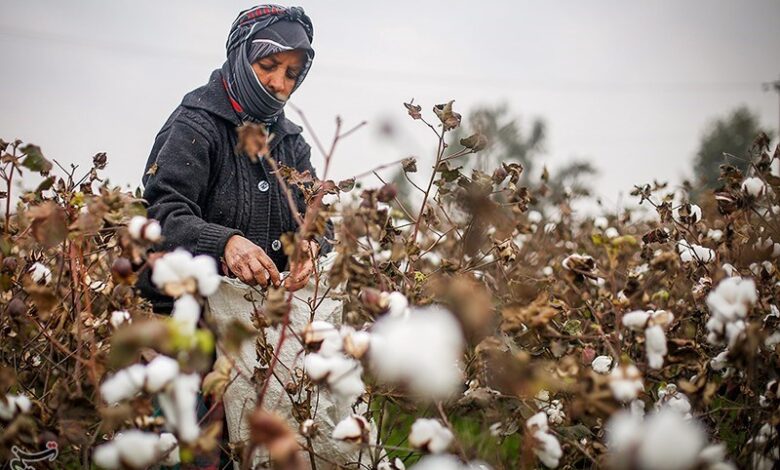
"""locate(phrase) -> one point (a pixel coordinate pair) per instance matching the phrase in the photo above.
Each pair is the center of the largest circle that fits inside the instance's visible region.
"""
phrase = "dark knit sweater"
(202, 192)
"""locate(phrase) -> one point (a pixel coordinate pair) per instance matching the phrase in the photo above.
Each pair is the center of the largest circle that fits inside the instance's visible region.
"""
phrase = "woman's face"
(279, 72)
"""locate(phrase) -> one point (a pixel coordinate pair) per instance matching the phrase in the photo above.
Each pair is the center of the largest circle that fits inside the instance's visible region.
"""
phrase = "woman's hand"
(249, 262)
(301, 271)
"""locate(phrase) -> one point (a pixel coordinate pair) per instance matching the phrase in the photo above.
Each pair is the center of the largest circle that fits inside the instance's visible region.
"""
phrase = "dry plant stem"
(439, 153)
(395, 198)
(275, 357)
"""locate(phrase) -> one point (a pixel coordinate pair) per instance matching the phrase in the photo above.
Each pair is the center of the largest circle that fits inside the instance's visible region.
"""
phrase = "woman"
(209, 198)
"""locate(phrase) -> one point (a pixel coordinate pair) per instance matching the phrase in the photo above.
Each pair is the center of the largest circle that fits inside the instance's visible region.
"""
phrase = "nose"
(276, 82)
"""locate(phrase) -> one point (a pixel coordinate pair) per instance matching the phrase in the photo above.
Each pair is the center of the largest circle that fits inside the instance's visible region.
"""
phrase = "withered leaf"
(48, 225)
(413, 109)
(253, 140)
(217, 380)
(449, 119)
(152, 169)
(475, 142)
(34, 159)
(347, 184)
(409, 164)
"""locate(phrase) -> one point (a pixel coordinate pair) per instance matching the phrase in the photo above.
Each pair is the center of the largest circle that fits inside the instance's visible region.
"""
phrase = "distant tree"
(508, 141)
(727, 140)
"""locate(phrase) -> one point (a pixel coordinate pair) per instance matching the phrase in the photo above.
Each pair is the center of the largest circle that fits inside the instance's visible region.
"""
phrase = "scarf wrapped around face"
(257, 33)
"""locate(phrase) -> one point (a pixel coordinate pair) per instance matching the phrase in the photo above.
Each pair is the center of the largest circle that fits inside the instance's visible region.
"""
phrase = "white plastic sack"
(228, 304)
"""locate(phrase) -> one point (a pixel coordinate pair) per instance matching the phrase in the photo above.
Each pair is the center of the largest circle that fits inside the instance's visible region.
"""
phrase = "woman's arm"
(178, 187)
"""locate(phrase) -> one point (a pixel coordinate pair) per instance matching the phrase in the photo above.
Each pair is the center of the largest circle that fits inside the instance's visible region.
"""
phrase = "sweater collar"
(213, 98)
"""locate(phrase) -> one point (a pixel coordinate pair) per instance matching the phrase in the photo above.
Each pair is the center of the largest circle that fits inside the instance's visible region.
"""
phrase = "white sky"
(631, 85)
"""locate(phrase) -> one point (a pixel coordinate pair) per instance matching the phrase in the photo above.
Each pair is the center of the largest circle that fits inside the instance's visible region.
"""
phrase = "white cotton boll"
(178, 404)
(730, 270)
(636, 320)
(547, 449)
(186, 313)
(734, 331)
(124, 384)
(715, 235)
(555, 413)
(753, 186)
(611, 232)
(423, 351)
(40, 274)
(550, 227)
(204, 269)
(547, 271)
(163, 273)
(432, 257)
(626, 383)
(351, 432)
(106, 456)
(670, 442)
(119, 317)
(396, 464)
(732, 297)
(695, 214)
(329, 199)
(637, 408)
(690, 252)
(600, 222)
(430, 435)
(537, 422)
(624, 430)
(136, 449)
(720, 361)
(601, 364)
(438, 462)
(160, 371)
(153, 231)
(672, 399)
(534, 217)
(344, 380)
(317, 367)
(322, 337)
(168, 446)
(135, 226)
(655, 344)
(397, 305)
(23, 403)
(356, 343)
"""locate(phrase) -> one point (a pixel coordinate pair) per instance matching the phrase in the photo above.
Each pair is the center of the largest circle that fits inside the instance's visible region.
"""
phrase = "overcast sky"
(630, 85)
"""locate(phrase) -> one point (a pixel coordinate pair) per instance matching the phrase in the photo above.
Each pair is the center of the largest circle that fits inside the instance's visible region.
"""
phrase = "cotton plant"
(352, 432)
(729, 304)
(136, 449)
(13, 405)
(176, 392)
(144, 230)
(178, 273)
(652, 323)
(693, 253)
(626, 382)
(766, 454)
(421, 351)
(333, 359)
(430, 436)
(39, 273)
(601, 364)
(545, 445)
(669, 397)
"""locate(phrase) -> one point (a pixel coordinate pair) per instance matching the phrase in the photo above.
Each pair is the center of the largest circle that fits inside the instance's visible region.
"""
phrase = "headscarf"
(257, 33)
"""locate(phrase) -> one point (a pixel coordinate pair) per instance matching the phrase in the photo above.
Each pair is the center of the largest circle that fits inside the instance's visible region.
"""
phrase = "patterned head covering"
(257, 33)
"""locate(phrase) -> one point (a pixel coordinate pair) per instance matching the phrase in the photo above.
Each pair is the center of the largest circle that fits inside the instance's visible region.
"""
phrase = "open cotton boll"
(732, 297)
(322, 337)
(397, 304)
(655, 346)
(186, 313)
(624, 429)
(351, 432)
(13, 405)
(40, 274)
(395, 464)
(124, 384)
(611, 232)
(107, 456)
(687, 213)
(600, 222)
(422, 351)
(753, 186)
(205, 271)
(430, 435)
(438, 462)
(119, 317)
(601, 364)
(636, 320)
(671, 398)
(178, 403)
(547, 449)
(670, 442)
(341, 374)
(137, 449)
(168, 448)
(690, 252)
(159, 372)
(178, 273)
(142, 228)
(626, 383)
(355, 343)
